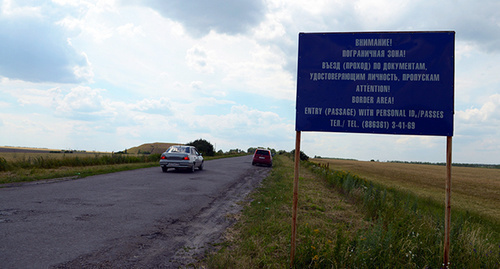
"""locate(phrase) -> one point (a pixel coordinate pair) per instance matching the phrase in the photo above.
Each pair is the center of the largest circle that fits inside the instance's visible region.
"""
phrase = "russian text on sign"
(386, 82)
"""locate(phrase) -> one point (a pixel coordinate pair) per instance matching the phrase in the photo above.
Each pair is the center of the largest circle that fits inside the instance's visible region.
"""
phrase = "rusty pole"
(447, 213)
(295, 197)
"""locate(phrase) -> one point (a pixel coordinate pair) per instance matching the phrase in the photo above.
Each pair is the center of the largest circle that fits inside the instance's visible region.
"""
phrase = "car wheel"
(201, 166)
(192, 168)
(164, 169)
(253, 163)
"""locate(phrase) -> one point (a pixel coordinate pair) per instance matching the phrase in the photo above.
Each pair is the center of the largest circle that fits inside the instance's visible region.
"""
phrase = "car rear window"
(178, 149)
(263, 152)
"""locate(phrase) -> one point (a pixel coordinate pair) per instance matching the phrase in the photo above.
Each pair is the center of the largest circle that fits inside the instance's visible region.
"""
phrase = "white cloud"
(129, 30)
(249, 67)
(249, 126)
(201, 17)
(160, 106)
(114, 74)
(377, 14)
(198, 59)
(488, 113)
(12, 9)
(270, 29)
(4, 105)
(81, 99)
(97, 6)
(34, 48)
(84, 72)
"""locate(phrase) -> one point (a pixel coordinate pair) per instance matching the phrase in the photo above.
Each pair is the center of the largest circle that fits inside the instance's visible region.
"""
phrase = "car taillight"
(163, 157)
(186, 158)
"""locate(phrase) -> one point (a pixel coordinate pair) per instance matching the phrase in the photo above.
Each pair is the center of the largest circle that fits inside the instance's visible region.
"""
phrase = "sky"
(112, 74)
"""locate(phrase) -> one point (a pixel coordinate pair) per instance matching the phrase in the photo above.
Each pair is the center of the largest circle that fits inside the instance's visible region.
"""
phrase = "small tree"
(303, 156)
(203, 147)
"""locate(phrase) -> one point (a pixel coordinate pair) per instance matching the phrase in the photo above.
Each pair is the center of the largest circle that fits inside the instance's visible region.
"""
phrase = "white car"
(181, 157)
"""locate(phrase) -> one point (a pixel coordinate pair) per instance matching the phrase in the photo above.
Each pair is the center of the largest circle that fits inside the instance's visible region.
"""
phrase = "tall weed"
(345, 221)
(41, 162)
(407, 231)
(3, 164)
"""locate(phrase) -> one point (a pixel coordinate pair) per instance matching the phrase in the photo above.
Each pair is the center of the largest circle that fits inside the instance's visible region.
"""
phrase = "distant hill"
(152, 148)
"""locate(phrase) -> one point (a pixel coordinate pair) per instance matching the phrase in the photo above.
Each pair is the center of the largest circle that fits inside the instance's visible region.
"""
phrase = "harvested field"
(17, 153)
(23, 150)
(473, 189)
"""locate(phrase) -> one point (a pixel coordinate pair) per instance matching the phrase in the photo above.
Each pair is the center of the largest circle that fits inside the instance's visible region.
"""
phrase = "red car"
(262, 156)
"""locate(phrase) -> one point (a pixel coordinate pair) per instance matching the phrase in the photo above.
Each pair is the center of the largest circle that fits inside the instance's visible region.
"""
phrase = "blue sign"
(385, 82)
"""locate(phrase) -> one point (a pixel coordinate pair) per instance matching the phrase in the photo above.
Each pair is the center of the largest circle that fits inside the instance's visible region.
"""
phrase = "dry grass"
(261, 239)
(315, 198)
(344, 225)
(473, 189)
(16, 156)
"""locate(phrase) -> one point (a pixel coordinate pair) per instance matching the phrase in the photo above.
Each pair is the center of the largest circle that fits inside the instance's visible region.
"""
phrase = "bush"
(303, 156)
(203, 147)
(3, 164)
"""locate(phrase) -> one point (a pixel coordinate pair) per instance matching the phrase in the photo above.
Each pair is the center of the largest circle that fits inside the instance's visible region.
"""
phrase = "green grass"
(345, 221)
(38, 167)
(33, 166)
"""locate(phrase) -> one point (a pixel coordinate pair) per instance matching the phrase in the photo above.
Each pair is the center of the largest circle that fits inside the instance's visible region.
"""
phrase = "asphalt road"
(133, 219)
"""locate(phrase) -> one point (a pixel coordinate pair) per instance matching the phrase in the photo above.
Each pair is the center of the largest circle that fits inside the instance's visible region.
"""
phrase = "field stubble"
(473, 189)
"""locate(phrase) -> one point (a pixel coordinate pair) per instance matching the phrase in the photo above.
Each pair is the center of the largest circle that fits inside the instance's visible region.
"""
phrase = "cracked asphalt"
(133, 219)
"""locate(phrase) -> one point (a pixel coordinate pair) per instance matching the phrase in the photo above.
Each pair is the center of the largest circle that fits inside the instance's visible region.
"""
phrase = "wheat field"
(17, 156)
(473, 189)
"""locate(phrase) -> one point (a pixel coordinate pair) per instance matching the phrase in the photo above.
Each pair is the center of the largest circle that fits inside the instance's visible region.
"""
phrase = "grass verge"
(35, 174)
(40, 167)
(345, 221)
